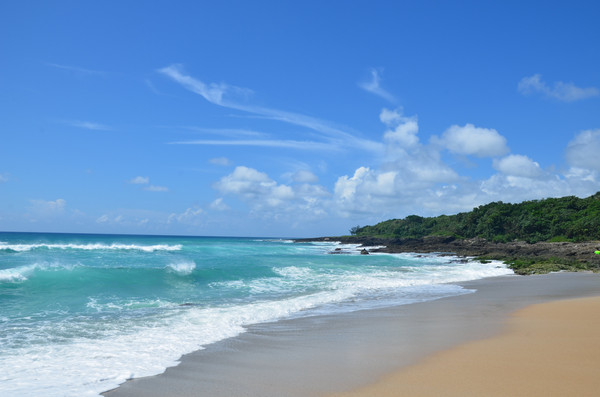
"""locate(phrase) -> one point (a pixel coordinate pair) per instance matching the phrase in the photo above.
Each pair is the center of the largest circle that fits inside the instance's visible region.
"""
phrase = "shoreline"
(547, 349)
(476, 247)
(323, 355)
(522, 257)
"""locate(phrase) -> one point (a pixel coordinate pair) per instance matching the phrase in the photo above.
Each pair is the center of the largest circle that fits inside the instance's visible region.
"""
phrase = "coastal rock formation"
(582, 253)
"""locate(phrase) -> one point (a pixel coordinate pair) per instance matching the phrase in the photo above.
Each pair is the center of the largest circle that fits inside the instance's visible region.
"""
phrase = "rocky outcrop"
(570, 252)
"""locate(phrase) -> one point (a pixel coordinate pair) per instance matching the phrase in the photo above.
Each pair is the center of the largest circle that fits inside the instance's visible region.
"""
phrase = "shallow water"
(80, 314)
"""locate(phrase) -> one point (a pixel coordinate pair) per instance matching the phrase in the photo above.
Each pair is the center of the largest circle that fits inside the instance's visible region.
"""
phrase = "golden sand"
(551, 349)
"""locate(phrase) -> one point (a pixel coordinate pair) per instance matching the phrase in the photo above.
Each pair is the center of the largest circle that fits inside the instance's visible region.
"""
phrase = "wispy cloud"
(140, 180)
(154, 188)
(190, 216)
(45, 208)
(212, 92)
(88, 125)
(76, 69)
(374, 86)
(229, 132)
(566, 92)
(223, 161)
(219, 94)
(290, 144)
(3, 178)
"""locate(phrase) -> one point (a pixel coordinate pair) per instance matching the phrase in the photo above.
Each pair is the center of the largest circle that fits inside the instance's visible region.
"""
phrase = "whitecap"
(183, 268)
(94, 246)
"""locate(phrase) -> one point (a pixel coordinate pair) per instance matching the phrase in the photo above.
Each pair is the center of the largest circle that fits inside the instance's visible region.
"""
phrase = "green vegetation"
(569, 219)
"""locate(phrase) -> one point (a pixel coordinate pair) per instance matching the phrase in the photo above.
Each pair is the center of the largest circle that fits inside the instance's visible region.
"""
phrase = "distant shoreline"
(573, 256)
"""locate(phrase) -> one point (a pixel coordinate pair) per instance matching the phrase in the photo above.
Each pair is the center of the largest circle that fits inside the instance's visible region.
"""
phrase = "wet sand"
(322, 355)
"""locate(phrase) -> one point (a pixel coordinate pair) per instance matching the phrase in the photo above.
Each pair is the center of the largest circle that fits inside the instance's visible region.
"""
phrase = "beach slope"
(322, 355)
(550, 349)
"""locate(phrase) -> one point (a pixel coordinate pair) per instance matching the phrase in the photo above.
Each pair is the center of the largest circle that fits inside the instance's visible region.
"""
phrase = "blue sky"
(280, 118)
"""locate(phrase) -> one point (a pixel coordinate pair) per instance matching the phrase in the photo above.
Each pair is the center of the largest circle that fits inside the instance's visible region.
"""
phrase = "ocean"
(82, 313)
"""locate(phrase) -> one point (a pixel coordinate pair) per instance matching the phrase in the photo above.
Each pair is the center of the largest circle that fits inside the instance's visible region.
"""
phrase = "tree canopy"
(553, 219)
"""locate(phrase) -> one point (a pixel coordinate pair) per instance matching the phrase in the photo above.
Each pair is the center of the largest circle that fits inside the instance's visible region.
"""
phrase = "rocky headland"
(522, 257)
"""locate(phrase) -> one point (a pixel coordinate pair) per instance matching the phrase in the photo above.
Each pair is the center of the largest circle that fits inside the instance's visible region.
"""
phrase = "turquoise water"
(80, 314)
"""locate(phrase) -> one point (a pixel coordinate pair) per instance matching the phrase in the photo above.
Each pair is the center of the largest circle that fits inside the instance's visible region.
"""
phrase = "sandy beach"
(497, 340)
(550, 349)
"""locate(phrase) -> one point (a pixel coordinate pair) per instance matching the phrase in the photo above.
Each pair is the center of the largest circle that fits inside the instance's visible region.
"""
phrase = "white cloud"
(144, 180)
(567, 92)
(102, 219)
(213, 93)
(114, 219)
(246, 181)
(518, 165)
(255, 186)
(140, 180)
(3, 178)
(402, 130)
(224, 95)
(290, 144)
(414, 179)
(226, 132)
(304, 176)
(219, 205)
(48, 208)
(584, 150)
(191, 216)
(471, 140)
(367, 180)
(374, 86)
(270, 198)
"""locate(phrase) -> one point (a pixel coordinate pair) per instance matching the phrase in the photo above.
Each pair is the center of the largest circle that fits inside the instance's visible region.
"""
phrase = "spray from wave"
(89, 247)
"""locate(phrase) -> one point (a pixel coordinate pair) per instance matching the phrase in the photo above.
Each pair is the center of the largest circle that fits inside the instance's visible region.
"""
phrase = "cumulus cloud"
(401, 130)
(582, 151)
(567, 92)
(255, 186)
(374, 86)
(518, 165)
(262, 193)
(471, 140)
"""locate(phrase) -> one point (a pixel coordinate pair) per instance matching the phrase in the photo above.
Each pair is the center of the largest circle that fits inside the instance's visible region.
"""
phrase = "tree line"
(554, 219)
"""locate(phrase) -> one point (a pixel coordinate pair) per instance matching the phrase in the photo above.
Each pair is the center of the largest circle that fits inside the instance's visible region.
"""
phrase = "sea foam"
(107, 316)
(184, 268)
(88, 247)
